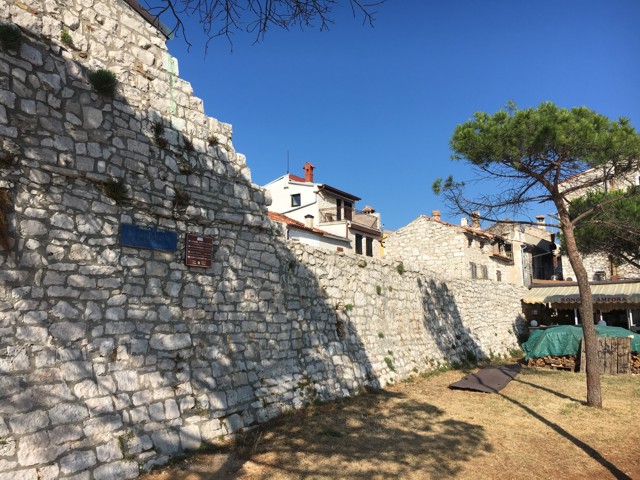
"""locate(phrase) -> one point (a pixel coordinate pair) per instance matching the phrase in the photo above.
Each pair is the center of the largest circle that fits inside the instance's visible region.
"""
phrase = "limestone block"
(120, 470)
(171, 409)
(190, 437)
(109, 452)
(166, 441)
(77, 460)
(7, 98)
(68, 331)
(32, 228)
(98, 406)
(64, 413)
(101, 427)
(74, 371)
(29, 422)
(92, 117)
(127, 380)
(161, 341)
(35, 449)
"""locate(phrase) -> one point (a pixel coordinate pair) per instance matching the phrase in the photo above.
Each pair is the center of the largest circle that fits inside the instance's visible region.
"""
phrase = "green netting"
(565, 340)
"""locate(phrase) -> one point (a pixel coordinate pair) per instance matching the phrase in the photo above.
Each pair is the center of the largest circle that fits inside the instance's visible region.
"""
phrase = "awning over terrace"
(606, 296)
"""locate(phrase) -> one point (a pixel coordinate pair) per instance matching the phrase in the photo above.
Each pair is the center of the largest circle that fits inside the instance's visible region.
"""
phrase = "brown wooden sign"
(199, 250)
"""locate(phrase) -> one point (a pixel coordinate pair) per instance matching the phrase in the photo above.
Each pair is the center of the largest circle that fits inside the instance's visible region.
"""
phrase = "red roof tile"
(278, 217)
(296, 178)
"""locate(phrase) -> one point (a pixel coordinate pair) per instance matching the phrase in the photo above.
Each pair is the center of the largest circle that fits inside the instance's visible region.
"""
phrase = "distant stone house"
(321, 206)
(504, 253)
(601, 267)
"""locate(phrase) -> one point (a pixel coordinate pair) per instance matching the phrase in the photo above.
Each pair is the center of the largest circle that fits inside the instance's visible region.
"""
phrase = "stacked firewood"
(634, 366)
(563, 362)
(568, 362)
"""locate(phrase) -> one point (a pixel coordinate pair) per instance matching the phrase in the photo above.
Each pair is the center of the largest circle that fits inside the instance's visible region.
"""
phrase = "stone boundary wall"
(113, 359)
(413, 320)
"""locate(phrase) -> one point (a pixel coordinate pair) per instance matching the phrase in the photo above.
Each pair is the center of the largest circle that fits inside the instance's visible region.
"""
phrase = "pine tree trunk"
(590, 343)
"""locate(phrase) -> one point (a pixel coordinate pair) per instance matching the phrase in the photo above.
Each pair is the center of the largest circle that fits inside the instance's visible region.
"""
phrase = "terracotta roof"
(278, 217)
(296, 178)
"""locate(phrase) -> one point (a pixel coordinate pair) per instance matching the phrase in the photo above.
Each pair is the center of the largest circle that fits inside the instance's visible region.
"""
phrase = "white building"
(298, 231)
(321, 206)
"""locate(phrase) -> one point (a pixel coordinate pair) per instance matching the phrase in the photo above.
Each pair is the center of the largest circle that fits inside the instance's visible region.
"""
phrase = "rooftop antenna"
(287, 161)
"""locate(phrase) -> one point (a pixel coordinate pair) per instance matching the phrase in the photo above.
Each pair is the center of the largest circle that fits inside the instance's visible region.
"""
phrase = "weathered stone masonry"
(113, 359)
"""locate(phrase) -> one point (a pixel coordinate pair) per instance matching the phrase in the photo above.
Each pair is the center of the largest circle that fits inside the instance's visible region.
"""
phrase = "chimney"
(308, 172)
(308, 220)
(464, 222)
(475, 219)
(435, 214)
(540, 222)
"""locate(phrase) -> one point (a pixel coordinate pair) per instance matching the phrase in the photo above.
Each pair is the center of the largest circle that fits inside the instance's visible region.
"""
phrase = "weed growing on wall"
(10, 37)
(390, 364)
(213, 141)
(4, 220)
(188, 145)
(7, 159)
(158, 134)
(185, 167)
(400, 268)
(378, 289)
(103, 82)
(116, 190)
(180, 199)
(65, 37)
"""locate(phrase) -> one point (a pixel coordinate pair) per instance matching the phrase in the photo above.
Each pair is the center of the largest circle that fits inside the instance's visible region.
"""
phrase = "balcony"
(368, 220)
(505, 256)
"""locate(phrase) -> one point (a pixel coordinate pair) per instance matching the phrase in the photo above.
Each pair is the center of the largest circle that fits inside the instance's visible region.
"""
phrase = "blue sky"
(373, 108)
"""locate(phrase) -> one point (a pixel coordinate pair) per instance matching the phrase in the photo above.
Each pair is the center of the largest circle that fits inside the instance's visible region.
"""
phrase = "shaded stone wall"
(113, 358)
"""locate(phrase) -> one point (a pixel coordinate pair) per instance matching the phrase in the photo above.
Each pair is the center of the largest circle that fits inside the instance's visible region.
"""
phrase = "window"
(485, 271)
(498, 275)
(474, 270)
(369, 247)
(338, 209)
(295, 200)
(348, 210)
(358, 244)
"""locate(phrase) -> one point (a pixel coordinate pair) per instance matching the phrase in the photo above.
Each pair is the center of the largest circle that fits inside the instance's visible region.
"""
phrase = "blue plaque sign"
(148, 237)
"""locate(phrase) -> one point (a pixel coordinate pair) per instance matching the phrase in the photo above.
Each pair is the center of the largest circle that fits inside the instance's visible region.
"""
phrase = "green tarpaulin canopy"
(565, 340)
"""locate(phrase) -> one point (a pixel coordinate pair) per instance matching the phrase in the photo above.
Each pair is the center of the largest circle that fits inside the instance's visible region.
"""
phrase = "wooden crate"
(614, 355)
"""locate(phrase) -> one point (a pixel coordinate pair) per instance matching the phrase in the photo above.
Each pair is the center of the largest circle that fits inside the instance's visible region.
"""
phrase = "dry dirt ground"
(536, 428)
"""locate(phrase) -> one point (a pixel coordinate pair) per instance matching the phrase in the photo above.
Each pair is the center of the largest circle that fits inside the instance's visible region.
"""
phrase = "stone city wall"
(114, 358)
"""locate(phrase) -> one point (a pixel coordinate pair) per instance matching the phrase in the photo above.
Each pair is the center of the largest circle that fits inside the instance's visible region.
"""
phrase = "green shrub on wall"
(10, 37)
(104, 82)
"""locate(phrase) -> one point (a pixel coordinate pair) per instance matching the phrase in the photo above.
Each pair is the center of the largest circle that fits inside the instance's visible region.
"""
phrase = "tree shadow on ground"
(378, 435)
(585, 447)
